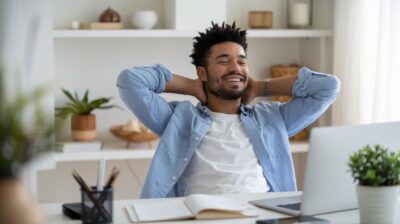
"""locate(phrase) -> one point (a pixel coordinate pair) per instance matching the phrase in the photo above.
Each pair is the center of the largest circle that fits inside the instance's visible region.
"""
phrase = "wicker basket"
(286, 70)
(280, 71)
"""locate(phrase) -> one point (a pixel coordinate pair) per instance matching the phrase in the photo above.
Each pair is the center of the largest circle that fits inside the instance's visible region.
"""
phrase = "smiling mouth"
(234, 78)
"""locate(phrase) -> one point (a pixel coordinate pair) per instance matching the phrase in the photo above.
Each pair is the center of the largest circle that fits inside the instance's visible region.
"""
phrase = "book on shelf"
(196, 206)
(91, 146)
(101, 26)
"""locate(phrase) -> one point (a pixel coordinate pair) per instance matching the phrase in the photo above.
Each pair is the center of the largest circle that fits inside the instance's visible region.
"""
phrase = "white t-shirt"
(225, 161)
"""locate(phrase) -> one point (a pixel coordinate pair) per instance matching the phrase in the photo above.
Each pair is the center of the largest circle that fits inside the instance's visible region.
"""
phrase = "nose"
(234, 67)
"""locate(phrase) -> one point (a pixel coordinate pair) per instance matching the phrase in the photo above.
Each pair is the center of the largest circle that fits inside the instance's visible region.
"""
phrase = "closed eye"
(242, 62)
(222, 62)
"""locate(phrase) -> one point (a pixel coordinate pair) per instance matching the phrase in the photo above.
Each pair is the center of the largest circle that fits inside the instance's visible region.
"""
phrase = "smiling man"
(223, 145)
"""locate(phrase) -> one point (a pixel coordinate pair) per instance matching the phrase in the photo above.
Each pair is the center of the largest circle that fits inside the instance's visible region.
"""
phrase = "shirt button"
(197, 138)
(185, 159)
(173, 177)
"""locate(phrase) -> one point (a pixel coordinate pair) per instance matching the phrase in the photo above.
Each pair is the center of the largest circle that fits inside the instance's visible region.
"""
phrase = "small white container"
(193, 14)
(379, 204)
(144, 19)
(74, 25)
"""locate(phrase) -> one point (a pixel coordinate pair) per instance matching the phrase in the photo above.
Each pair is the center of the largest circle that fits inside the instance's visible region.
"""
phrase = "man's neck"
(219, 105)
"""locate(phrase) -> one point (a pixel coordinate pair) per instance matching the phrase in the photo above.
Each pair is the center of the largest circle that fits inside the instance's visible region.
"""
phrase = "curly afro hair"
(214, 35)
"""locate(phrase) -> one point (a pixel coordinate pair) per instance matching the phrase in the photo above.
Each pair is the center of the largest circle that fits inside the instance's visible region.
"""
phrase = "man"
(223, 145)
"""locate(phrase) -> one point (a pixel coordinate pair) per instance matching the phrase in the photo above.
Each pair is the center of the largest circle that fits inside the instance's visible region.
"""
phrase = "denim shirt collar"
(205, 111)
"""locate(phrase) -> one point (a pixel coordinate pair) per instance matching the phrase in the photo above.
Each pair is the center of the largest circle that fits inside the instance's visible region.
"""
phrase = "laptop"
(328, 184)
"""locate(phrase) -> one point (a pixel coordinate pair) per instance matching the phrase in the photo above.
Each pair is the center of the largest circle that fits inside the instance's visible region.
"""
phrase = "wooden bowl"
(136, 137)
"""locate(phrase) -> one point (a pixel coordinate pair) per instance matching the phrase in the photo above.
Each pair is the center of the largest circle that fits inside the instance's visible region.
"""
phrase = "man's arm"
(282, 86)
(182, 85)
(139, 88)
(312, 93)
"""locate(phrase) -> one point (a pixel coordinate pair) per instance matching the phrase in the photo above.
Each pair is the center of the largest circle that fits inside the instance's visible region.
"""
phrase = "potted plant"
(377, 172)
(20, 141)
(83, 122)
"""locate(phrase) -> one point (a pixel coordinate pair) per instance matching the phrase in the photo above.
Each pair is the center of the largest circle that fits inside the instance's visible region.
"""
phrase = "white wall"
(58, 185)
(26, 46)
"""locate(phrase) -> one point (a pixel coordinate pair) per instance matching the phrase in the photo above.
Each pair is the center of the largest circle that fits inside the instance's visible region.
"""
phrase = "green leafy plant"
(20, 141)
(375, 166)
(83, 106)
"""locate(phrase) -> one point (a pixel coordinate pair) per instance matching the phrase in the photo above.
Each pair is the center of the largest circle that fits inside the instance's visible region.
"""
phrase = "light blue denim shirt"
(182, 126)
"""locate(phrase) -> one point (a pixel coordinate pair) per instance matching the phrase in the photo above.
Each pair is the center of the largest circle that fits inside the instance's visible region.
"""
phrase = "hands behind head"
(200, 93)
(250, 93)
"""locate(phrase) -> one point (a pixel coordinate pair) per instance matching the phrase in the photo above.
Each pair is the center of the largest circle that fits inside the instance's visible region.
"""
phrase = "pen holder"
(97, 206)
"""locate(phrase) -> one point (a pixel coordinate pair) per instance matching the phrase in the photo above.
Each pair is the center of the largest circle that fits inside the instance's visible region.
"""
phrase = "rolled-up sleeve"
(139, 88)
(313, 93)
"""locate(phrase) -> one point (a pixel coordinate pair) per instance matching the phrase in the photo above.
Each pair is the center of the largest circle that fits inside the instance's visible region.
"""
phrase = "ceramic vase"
(379, 204)
(144, 19)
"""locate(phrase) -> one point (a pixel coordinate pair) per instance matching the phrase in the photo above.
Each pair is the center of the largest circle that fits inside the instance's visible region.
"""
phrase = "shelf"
(122, 154)
(109, 154)
(284, 33)
(299, 147)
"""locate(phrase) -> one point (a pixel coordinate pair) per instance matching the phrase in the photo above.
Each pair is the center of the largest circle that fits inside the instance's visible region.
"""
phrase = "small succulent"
(375, 166)
(83, 106)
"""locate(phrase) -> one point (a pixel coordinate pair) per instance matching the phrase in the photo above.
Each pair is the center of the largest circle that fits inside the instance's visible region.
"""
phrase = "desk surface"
(54, 215)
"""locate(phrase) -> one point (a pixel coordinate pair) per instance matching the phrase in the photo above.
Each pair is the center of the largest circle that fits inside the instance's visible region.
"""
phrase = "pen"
(100, 174)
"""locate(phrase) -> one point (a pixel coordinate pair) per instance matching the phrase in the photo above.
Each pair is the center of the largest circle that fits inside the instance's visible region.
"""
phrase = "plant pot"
(17, 205)
(83, 127)
(379, 204)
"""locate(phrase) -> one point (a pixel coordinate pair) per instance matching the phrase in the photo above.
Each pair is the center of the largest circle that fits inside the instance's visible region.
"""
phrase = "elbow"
(334, 84)
(332, 87)
(123, 77)
(128, 79)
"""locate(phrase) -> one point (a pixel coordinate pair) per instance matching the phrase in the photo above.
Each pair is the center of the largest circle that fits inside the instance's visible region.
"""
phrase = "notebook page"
(199, 202)
(157, 210)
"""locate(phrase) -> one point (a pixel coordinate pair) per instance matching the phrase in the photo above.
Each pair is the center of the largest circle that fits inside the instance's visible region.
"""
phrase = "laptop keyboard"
(294, 206)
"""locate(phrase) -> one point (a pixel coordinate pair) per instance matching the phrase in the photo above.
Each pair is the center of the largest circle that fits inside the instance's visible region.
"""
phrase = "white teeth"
(233, 80)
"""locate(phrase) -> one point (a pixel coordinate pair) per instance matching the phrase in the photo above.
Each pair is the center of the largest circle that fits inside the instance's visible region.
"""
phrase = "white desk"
(54, 215)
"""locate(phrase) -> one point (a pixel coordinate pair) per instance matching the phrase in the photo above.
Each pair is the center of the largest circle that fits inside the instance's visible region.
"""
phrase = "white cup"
(144, 19)
(74, 25)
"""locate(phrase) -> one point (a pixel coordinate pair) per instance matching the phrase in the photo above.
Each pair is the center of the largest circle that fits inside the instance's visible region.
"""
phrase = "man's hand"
(200, 93)
(182, 85)
(277, 87)
(251, 92)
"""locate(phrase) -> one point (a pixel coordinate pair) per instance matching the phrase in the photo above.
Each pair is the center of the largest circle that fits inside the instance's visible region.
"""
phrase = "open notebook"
(196, 206)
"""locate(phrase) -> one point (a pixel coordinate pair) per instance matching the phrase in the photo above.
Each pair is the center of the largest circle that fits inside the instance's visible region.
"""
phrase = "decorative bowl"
(144, 19)
(135, 137)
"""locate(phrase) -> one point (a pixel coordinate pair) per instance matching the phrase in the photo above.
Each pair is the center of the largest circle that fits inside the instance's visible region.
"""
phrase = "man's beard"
(226, 94)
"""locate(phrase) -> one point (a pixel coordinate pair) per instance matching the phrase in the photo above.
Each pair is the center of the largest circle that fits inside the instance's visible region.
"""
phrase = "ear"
(202, 73)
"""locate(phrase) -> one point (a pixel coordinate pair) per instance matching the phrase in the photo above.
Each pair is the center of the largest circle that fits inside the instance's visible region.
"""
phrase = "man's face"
(226, 73)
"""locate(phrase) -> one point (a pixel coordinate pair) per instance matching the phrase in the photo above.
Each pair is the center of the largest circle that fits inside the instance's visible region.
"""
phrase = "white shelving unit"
(163, 33)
